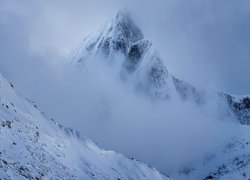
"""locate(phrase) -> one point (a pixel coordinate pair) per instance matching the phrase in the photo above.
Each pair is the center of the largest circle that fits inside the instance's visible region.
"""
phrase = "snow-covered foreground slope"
(34, 147)
(231, 161)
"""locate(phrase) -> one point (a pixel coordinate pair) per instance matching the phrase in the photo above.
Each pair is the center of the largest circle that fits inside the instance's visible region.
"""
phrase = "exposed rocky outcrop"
(240, 107)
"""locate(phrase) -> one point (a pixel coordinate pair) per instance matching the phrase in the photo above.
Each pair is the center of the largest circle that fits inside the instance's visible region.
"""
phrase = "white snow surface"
(116, 42)
(230, 161)
(144, 66)
(33, 146)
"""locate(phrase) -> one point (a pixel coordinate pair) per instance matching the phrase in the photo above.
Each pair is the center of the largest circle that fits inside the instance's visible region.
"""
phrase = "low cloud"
(95, 101)
(201, 42)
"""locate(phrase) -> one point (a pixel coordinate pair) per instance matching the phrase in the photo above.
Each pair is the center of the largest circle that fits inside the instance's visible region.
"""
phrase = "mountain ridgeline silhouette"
(143, 64)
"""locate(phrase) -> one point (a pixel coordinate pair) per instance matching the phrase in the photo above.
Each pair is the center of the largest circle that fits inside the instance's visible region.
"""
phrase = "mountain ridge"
(144, 64)
(35, 147)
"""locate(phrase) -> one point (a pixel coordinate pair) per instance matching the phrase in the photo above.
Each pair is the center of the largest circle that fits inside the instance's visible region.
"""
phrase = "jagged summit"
(142, 64)
(117, 36)
(142, 61)
(123, 15)
(120, 34)
(125, 26)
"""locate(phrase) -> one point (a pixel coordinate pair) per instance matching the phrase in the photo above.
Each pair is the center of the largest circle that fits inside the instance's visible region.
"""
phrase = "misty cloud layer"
(195, 38)
(158, 133)
(203, 42)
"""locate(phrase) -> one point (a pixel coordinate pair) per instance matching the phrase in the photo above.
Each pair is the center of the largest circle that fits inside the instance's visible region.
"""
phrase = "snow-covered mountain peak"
(121, 33)
(116, 37)
(123, 27)
(141, 60)
(122, 41)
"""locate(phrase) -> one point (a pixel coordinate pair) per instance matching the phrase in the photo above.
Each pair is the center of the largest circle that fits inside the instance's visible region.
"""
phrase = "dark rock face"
(240, 108)
(158, 73)
(186, 91)
(135, 54)
(105, 46)
(125, 32)
(142, 61)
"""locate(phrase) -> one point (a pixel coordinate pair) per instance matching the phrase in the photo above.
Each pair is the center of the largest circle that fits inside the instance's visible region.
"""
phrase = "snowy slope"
(34, 147)
(231, 161)
(141, 61)
(116, 37)
(121, 40)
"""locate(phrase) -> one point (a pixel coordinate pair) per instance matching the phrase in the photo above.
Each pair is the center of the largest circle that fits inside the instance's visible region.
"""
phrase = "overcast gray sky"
(204, 42)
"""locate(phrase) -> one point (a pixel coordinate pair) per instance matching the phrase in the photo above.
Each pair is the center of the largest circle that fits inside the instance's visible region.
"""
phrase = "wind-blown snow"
(34, 147)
